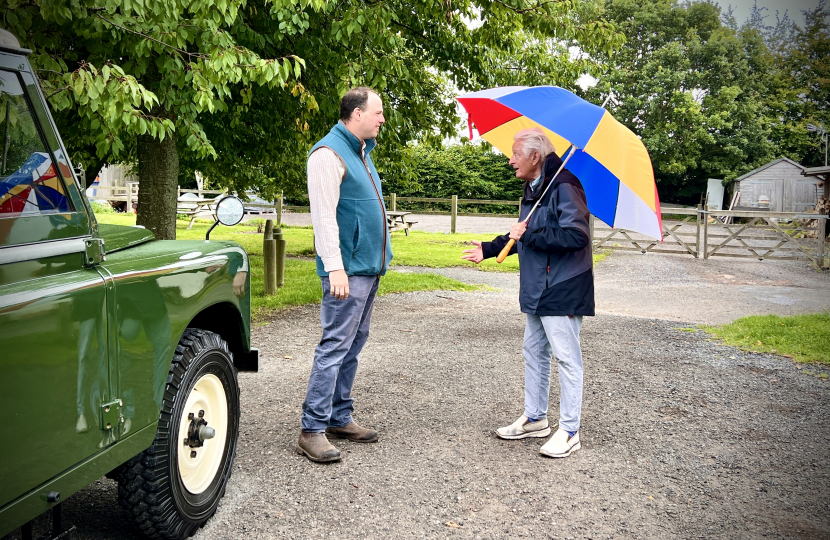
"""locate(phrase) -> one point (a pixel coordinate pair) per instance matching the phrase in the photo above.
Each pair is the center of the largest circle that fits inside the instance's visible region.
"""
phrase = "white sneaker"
(523, 428)
(561, 444)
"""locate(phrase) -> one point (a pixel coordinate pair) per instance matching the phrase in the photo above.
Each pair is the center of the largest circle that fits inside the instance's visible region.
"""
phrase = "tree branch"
(523, 11)
(150, 38)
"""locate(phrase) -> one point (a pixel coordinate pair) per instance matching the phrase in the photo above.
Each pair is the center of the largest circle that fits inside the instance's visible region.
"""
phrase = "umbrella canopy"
(611, 162)
(33, 189)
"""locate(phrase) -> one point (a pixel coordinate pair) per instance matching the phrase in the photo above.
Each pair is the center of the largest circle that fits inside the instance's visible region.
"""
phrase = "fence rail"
(686, 231)
(765, 235)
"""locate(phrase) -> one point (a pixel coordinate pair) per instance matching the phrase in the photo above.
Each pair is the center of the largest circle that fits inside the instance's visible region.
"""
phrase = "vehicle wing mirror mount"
(80, 174)
(229, 212)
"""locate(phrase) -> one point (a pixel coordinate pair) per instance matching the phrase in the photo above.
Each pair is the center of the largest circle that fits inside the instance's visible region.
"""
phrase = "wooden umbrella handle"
(505, 252)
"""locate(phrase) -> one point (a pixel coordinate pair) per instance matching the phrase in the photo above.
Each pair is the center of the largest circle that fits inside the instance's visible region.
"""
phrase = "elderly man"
(353, 251)
(556, 288)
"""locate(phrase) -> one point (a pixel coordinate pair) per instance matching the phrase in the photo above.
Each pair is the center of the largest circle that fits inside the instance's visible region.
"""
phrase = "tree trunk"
(158, 177)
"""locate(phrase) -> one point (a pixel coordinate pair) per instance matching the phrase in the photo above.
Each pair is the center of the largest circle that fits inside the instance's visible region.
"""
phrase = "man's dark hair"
(356, 98)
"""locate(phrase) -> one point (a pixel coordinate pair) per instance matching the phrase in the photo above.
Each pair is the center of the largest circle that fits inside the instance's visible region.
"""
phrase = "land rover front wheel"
(173, 487)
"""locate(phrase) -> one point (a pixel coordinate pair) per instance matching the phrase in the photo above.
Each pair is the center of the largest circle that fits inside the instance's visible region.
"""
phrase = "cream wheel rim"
(198, 466)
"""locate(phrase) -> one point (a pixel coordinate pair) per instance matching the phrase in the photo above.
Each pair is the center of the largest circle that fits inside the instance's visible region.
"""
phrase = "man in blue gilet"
(353, 251)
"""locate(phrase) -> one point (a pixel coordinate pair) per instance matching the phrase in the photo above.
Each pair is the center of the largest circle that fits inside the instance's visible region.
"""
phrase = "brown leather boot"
(354, 432)
(317, 447)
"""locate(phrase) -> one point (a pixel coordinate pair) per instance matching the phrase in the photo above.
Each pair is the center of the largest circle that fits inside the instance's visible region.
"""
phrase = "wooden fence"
(686, 231)
(693, 231)
(705, 234)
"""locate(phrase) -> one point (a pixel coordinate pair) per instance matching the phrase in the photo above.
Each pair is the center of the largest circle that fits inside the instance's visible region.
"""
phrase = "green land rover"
(118, 353)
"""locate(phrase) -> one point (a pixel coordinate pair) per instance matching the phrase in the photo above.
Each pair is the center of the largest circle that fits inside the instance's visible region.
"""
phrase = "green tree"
(802, 57)
(218, 85)
(132, 80)
(694, 89)
(418, 55)
(471, 171)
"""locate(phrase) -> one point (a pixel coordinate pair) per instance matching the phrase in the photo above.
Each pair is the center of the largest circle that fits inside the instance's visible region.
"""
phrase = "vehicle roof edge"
(9, 43)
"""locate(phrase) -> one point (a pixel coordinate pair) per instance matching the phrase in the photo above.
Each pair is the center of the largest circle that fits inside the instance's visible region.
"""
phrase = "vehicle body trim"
(41, 250)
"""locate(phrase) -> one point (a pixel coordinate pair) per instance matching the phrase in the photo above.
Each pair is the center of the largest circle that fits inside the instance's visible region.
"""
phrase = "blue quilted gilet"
(361, 213)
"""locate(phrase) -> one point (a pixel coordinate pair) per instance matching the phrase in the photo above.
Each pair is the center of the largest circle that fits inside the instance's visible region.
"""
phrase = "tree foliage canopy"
(709, 98)
(246, 86)
(417, 55)
(116, 70)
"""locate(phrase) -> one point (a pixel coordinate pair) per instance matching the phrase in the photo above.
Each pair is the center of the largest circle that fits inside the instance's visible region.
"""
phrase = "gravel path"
(682, 437)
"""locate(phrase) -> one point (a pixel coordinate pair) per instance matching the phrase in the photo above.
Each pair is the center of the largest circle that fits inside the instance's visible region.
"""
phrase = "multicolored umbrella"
(610, 161)
(33, 189)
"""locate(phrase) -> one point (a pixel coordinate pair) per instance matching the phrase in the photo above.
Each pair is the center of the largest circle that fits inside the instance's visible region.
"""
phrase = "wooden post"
(129, 208)
(280, 258)
(822, 232)
(279, 209)
(705, 233)
(269, 256)
(393, 202)
(697, 232)
(826, 207)
(179, 192)
(454, 213)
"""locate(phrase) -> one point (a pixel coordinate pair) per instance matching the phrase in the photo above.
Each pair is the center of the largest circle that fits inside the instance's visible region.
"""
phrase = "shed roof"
(812, 171)
(767, 166)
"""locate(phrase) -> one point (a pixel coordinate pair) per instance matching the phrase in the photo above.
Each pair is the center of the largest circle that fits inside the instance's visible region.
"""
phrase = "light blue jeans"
(558, 336)
(328, 400)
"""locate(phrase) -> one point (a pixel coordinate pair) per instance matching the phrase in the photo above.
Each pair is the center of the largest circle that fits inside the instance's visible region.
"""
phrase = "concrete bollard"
(280, 257)
(269, 256)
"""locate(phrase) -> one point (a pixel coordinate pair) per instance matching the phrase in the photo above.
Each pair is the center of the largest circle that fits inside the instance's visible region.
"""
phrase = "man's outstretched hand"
(475, 255)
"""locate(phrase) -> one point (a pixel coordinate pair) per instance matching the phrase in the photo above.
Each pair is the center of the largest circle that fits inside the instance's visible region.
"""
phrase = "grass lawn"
(805, 338)
(302, 286)
(431, 250)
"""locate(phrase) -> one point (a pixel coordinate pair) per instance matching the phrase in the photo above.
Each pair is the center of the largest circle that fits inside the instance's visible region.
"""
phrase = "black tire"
(151, 487)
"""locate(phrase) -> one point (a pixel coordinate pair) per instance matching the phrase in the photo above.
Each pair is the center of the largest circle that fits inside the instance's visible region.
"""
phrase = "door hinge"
(94, 252)
(111, 415)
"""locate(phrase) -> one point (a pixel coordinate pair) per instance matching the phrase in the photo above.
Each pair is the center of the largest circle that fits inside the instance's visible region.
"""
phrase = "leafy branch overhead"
(132, 68)
(418, 55)
(244, 87)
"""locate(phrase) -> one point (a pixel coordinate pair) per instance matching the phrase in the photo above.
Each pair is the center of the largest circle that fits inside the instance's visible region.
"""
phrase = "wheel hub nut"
(198, 431)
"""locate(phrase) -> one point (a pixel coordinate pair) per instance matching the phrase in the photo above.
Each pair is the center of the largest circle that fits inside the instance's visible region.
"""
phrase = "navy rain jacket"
(555, 263)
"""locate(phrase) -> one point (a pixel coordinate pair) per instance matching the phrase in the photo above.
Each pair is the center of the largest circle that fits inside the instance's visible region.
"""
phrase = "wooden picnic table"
(396, 220)
(193, 207)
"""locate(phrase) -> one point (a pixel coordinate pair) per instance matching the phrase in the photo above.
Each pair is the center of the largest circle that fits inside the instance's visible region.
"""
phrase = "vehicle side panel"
(53, 370)
(73, 480)
(159, 288)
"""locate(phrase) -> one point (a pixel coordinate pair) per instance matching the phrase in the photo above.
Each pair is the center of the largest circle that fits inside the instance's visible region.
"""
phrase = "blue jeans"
(328, 400)
(558, 336)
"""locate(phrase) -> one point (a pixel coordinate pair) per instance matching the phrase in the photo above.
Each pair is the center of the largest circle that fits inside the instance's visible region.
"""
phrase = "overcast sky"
(793, 7)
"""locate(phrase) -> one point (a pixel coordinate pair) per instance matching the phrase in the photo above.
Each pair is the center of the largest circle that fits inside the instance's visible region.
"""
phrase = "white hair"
(534, 139)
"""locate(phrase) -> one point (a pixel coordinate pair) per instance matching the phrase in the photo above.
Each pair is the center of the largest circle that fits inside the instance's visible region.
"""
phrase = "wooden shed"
(778, 186)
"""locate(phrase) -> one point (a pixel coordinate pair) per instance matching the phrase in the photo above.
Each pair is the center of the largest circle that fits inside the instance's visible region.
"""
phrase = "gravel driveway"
(682, 437)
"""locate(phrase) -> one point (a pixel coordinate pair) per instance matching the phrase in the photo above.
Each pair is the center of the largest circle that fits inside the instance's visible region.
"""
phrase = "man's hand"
(475, 255)
(517, 230)
(339, 282)
(239, 283)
